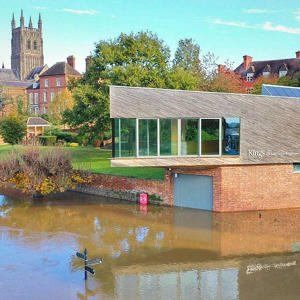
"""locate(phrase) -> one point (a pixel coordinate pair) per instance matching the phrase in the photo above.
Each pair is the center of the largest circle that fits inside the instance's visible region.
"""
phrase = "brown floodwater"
(148, 253)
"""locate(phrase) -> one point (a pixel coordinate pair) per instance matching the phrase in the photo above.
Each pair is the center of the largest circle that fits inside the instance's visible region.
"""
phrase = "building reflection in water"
(166, 253)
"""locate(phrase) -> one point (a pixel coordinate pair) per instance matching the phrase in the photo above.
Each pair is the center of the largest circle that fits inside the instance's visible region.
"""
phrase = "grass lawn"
(98, 162)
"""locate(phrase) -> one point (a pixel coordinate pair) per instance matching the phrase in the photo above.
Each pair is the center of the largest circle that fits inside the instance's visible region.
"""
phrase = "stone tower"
(26, 46)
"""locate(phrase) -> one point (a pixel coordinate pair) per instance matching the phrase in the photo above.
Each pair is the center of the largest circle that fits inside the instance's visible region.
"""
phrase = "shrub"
(39, 172)
(47, 140)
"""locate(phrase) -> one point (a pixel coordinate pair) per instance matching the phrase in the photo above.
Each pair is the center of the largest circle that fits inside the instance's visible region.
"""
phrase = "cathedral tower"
(26, 46)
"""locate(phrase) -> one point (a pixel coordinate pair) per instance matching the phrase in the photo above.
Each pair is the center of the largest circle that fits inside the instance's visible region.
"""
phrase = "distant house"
(251, 70)
(36, 126)
(52, 81)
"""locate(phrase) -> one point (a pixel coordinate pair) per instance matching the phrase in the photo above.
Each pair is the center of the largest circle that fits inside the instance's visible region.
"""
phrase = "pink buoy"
(144, 199)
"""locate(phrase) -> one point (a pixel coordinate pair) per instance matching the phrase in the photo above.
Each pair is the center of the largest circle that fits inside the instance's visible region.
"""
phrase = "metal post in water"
(85, 264)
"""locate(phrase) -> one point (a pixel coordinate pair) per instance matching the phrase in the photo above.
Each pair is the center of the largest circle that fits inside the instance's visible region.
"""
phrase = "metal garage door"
(193, 191)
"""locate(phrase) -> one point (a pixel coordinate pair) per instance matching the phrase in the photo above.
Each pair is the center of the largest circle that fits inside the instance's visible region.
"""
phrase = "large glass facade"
(231, 136)
(189, 136)
(168, 136)
(125, 137)
(210, 137)
(173, 137)
(147, 137)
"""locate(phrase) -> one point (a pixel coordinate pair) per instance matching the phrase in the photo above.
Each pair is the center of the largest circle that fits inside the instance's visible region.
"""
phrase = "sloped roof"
(282, 91)
(61, 68)
(35, 85)
(37, 70)
(15, 83)
(9, 75)
(37, 121)
(292, 65)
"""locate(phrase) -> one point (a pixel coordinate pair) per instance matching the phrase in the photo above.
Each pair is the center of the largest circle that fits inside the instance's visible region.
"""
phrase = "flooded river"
(148, 253)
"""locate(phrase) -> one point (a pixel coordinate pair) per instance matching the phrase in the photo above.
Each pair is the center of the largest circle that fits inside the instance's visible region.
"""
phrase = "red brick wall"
(253, 187)
(160, 188)
(259, 187)
(235, 188)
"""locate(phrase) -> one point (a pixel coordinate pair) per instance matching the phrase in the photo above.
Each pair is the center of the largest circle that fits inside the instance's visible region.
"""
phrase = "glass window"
(250, 77)
(282, 73)
(46, 82)
(36, 110)
(189, 137)
(168, 130)
(34, 45)
(296, 167)
(57, 81)
(31, 98)
(231, 136)
(52, 96)
(210, 137)
(147, 137)
(125, 145)
(36, 98)
(28, 44)
(45, 96)
(45, 109)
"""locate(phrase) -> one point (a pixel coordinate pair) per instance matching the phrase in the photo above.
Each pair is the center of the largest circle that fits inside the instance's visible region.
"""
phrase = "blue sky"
(228, 28)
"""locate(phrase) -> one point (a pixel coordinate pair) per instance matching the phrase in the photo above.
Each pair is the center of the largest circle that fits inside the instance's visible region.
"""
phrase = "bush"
(69, 137)
(72, 144)
(47, 140)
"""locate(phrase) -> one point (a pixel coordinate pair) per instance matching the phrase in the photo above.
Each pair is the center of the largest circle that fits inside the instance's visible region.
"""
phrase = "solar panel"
(283, 91)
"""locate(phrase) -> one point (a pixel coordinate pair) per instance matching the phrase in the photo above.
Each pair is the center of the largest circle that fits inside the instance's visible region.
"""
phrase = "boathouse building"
(223, 152)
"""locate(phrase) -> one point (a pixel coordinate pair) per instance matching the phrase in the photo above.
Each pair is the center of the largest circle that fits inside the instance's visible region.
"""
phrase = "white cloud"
(257, 11)
(233, 23)
(77, 11)
(266, 26)
(280, 28)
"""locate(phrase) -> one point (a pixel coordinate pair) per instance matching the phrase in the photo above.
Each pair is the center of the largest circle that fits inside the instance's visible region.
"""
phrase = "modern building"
(52, 81)
(222, 152)
(251, 70)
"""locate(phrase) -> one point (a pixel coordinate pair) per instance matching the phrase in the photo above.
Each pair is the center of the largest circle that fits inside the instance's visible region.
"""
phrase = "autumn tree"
(257, 86)
(62, 101)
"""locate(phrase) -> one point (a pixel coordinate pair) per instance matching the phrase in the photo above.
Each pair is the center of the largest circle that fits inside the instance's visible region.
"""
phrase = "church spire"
(30, 23)
(40, 22)
(22, 19)
(13, 22)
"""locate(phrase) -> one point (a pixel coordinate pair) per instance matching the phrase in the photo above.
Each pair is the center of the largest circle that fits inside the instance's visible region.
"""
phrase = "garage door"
(193, 191)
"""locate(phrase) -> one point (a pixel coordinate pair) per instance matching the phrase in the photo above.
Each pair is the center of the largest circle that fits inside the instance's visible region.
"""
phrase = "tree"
(187, 56)
(257, 86)
(12, 129)
(90, 113)
(130, 60)
(62, 101)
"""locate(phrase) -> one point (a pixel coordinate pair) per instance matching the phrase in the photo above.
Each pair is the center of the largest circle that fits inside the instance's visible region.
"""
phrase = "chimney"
(87, 62)
(298, 54)
(71, 61)
(247, 60)
(221, 69)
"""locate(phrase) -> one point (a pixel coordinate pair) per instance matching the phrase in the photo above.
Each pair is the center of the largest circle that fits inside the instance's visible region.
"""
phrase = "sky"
(228, 28)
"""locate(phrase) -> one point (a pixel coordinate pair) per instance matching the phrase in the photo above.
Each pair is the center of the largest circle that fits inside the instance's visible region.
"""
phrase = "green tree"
(12, 129)
(187, 56)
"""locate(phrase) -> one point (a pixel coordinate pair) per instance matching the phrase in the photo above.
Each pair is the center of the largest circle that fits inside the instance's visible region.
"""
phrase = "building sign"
(263, 153)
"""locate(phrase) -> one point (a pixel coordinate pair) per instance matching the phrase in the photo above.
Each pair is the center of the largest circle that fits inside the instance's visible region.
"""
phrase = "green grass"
(97, 160)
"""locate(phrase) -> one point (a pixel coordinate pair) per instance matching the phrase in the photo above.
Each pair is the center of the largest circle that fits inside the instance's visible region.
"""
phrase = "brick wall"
(253, 187)
(235, 188)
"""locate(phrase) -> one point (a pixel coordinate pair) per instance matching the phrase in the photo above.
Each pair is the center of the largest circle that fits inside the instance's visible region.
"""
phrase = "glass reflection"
(147, 137)
(189, 136)
(210, 137)
(168, 137)
(231, 136)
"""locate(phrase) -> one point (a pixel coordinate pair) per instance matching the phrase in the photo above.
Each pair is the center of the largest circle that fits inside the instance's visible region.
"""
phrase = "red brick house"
(52, 81)
(251, 70)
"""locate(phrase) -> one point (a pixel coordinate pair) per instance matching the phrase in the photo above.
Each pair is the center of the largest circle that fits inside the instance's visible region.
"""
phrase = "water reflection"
(166, 253)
